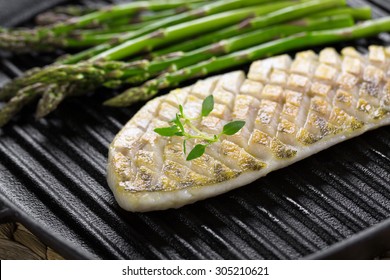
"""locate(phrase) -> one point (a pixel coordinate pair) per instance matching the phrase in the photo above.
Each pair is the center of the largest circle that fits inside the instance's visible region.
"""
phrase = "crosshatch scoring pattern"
(288, 105)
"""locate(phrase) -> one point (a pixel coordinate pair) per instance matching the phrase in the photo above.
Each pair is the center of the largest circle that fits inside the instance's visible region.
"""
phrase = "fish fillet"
(293, 108)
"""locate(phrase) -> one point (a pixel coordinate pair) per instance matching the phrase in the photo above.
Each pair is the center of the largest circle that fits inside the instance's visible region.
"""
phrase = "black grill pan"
(52, 179)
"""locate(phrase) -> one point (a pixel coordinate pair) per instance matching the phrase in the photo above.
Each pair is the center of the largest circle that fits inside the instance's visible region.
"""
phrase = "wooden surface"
(17, 243)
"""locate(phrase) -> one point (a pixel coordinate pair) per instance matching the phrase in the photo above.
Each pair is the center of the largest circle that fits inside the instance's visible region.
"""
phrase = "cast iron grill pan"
(52, 179)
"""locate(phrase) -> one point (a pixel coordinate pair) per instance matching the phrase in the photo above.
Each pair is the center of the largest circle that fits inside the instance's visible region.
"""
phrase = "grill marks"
(71, 190)
(33, 174)
(258, 229)
(288, 106)
(321, 118)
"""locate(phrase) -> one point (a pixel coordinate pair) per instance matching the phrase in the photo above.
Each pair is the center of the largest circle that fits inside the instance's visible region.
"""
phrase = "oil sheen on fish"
(292, 108)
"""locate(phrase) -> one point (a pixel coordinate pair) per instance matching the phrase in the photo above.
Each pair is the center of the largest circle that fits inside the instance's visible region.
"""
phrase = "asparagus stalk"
(295, 11)
(126, 24)
(58, 81)
(146, 69)
(363, 13)
(24, 97)
(360, 13)
(9, 90)
(139, 20)
(63, 13)
(114, 31)
(43, 38)
(287, 13)
(153, 16)
(94, 37)
(294, 42)
(207, 10)
(115, 11)
(88, 75)
(213, 8)
(188, 29)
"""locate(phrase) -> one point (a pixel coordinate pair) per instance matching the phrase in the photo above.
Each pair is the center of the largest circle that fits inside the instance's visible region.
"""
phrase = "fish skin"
(292, 108)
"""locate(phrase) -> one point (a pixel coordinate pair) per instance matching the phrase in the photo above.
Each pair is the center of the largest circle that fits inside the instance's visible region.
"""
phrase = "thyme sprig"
(181, 122)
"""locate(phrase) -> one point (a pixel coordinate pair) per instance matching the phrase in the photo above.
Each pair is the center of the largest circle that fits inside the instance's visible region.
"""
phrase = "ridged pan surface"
(52, 176)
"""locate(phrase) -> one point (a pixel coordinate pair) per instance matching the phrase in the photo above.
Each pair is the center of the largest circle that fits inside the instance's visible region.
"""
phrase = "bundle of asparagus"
(164, 46)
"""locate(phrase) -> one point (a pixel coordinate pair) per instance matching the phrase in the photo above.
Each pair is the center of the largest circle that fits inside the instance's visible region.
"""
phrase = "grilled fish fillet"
(292, 108)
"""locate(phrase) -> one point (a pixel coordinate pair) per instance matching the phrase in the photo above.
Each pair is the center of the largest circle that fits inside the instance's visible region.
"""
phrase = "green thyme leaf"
(233, 127)
(207, 105)
(185, 147)
(167, 131)
(180, 122)
(196, 152)
(181, 110)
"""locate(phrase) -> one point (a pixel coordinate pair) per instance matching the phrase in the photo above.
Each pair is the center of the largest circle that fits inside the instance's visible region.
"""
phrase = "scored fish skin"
(292, 108)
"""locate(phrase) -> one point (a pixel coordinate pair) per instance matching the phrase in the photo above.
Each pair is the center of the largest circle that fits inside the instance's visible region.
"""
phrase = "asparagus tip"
(113, 102)
(5, 117)
(124, 99)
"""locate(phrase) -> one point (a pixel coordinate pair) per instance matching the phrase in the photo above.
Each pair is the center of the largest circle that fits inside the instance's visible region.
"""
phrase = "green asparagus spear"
(63, 13)
(58, 81)
(46, 37)
(9, 90)
(209, 9)
(116, 11)
(287, 13)
(88, 75)
(145, 69)
(113, 30)
(153, 16)
(360, 13)
(140, 20)
(185, 30)
(363, 13)
(294, 42)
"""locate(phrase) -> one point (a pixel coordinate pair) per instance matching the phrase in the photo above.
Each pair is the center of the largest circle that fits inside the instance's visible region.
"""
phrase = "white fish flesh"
(292, 108)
